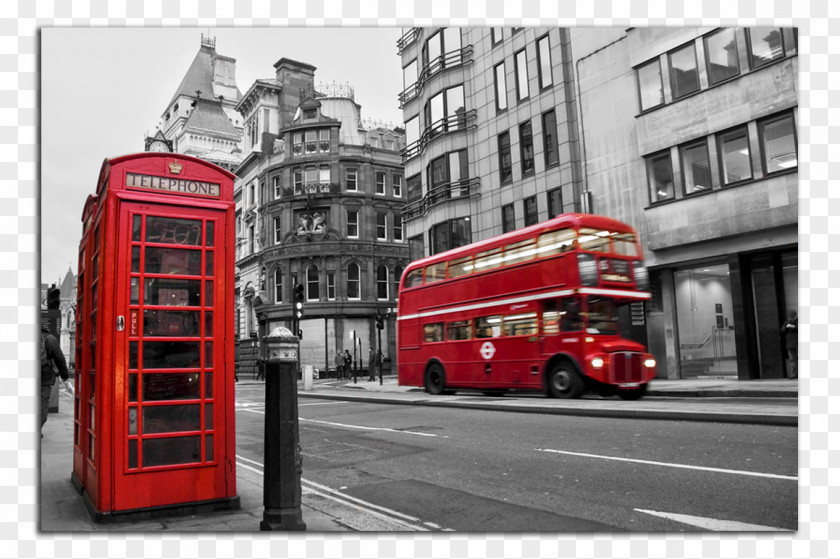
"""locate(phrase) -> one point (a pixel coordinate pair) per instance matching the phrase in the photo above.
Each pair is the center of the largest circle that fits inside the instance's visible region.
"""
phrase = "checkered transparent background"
(819, 137)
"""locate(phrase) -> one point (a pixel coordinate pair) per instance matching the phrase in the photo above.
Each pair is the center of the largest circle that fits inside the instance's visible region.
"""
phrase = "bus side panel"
(409, 367)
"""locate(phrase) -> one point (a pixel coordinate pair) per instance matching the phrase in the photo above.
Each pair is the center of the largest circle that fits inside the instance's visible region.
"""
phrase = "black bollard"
(283, 461)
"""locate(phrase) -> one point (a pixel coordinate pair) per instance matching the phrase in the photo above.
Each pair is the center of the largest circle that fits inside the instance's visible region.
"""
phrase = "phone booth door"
(169, 386)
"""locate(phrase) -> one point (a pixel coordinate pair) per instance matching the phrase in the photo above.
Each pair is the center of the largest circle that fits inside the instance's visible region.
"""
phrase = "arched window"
(382, 282)
(354, 282)
(397, 276)
(312, 284)
(278, 286)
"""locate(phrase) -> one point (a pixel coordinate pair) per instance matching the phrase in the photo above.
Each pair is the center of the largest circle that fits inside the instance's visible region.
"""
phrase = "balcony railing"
(452, 59)
(446, 125)
(310, 188)
(409, 37)
(457, 189)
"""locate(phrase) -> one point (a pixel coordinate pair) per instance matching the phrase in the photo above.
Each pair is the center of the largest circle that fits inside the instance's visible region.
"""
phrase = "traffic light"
(53, 298)
(299, 298)
(380, 322)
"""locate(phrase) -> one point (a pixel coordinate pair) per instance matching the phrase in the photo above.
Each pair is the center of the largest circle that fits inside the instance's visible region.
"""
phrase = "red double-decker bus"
(533, 309)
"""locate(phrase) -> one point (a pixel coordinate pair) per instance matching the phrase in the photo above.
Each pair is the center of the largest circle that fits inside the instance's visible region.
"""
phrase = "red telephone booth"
(154, 409)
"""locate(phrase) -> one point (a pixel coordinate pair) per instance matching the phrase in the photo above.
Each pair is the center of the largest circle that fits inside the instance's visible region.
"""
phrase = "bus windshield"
(601, 317)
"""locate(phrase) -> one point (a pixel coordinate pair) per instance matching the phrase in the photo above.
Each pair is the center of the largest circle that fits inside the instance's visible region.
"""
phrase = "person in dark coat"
(790, 337)
(51, 357)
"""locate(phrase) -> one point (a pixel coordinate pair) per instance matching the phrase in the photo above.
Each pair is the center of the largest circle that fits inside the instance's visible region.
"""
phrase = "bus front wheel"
(564, 381)
(435, 379)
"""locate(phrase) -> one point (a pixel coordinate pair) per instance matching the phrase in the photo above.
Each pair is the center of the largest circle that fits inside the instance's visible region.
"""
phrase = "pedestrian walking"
(790, 340)
(348, 362)
(371, 365)
(339, 365)
(51, 356)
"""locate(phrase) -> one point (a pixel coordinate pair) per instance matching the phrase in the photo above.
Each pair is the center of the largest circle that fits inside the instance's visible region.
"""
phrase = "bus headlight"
(597, 362)
(650, 362)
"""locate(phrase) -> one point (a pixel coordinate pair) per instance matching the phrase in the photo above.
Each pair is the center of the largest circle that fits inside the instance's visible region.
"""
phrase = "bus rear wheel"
(564, 382)
(435, 380)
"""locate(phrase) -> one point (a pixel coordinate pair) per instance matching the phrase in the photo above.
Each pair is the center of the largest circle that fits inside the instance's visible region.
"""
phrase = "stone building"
(319, 203)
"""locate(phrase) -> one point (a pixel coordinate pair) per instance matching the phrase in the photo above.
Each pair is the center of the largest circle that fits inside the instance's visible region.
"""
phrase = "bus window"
(551, 318)
(435, 272)
(433, 332)
(520, 252)
(460, 330)
(594, 240)
(625, 244)
(602, 316)
(488, 326)
(488, 260)
(524, 324)
(555, 242)
(413, 278)
(570, 317)
(460, 267)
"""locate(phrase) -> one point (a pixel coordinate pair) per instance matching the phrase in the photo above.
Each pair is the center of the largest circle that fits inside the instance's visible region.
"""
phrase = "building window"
(396, 182)
(331, 286)
(521, 67)
(324, 177)
(397, 277)
(398, 228)
(251, 240)
(549, 125)
(351, 180)
(297, 143)
(312, 284)
(448, 170)
(324, 140)
(298, 180)
(505, 166)
(734, 150)
(353, 224)
(412, 134)
(697, 176)
(721, 56)
(380, 182)
(555, 202)
(414, 187)
(450, 234)
(275, 181)
(252, 194)
(508, 218)
(501, 86)
(685, 78)
(650, 85)
(765, 45)
(381, 226)
(353, 281)
(660, 177)
(446, 111)
(544, 62)
(441, 44)
(410, 74)
(310, 141)
(497, 35)
(382, 282)
(278, 286)
(526, 148)
(531, 213)
(278, 233)
(416, 248)
(311, 177)
(778, 143)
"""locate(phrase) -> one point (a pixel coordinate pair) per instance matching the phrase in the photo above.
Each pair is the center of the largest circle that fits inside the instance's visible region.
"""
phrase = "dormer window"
(310, 113)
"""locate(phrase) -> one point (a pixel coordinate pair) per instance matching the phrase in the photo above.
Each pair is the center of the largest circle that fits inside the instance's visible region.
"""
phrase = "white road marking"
(347, 426)
(713, 524)
(671, 465)
(384, 513)
(321, 404)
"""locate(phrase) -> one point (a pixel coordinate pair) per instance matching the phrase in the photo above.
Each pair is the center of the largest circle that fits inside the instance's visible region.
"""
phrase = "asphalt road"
(416, 468)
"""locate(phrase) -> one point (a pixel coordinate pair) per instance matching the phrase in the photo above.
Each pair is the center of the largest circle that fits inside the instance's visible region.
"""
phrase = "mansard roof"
(208, 115)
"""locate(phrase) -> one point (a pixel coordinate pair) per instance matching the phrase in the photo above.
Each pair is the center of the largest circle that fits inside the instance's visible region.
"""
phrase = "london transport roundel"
(488, 350)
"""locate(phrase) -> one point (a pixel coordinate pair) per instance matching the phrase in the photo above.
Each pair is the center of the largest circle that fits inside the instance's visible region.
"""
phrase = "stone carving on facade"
(311, 224)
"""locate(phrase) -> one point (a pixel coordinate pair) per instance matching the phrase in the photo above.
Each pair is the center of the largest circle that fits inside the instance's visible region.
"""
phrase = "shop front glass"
(705, 322)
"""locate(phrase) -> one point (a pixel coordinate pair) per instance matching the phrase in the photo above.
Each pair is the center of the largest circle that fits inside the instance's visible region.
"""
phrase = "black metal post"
(283, 460)
(379, 347)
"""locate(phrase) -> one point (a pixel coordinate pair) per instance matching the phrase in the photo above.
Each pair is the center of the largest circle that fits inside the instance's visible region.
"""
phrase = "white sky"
(102, 90)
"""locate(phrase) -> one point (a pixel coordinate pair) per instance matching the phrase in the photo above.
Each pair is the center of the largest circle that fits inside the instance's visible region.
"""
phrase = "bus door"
(508, 346)
(562, 327)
